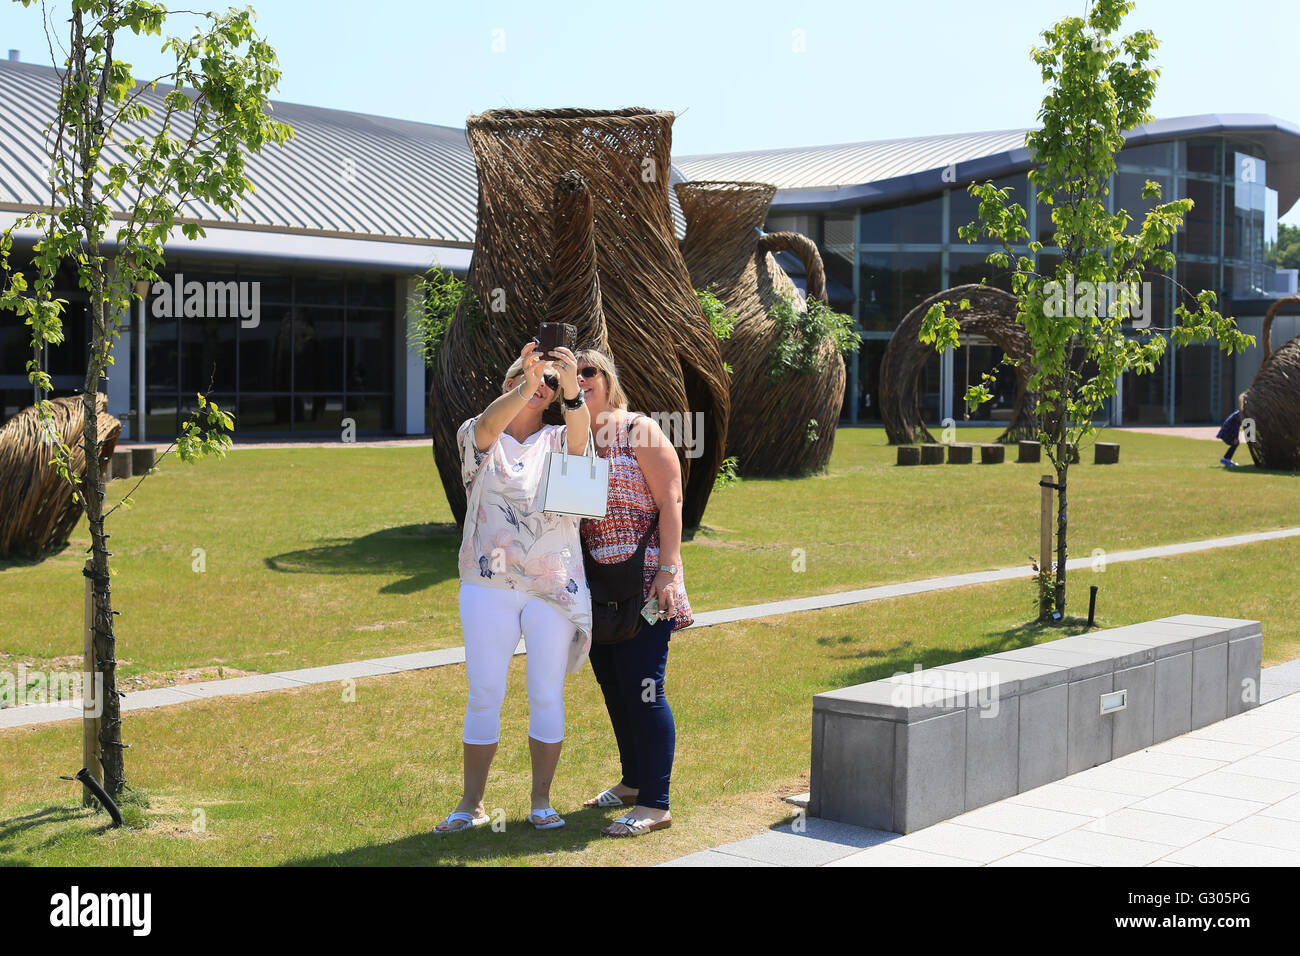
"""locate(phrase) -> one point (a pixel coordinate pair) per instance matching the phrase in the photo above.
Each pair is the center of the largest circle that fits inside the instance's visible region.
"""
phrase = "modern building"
(294, 316)
(885, 215)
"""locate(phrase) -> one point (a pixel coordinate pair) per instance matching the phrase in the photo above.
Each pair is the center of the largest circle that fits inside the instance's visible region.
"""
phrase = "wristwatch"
(670, 568)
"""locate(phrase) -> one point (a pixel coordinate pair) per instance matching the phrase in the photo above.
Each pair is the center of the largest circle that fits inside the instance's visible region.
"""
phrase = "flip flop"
(461, 816)
(636, 827)
(542, 814)
(608, 798)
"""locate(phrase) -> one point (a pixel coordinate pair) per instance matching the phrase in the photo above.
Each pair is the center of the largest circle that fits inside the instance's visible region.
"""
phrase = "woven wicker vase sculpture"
(1273, 400)
(992, 314)
(37, 511)
(669, 361)
(770, 418)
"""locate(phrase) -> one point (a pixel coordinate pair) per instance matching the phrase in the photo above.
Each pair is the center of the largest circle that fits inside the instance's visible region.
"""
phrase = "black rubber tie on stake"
(83, 776)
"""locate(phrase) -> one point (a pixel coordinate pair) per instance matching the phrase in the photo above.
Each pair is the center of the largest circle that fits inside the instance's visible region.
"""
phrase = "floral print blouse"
(509, 542)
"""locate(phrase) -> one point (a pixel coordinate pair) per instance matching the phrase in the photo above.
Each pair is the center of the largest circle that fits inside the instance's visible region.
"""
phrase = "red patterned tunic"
(631, 509)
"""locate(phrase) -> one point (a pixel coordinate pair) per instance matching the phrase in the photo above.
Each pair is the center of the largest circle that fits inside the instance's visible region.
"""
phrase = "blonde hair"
(617, 397)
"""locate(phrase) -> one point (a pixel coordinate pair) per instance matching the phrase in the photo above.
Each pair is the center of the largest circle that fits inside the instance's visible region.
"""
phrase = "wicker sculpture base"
(992, 314)
(1273, 400)
(770, 432)
(37, 510)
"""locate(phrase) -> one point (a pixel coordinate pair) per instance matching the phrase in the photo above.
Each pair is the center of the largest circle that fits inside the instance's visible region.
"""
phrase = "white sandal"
(542, 814)
(637, 826)
(608, 798)
(461, 816)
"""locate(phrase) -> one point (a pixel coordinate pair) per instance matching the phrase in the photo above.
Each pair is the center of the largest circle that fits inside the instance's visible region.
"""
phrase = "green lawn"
(302, 777)
(315, 556)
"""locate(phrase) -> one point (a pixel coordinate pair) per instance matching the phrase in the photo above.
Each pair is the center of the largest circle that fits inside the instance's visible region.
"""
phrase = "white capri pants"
(492, 620)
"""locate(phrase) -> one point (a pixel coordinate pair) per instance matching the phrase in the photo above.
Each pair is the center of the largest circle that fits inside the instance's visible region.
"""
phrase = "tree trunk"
(92, 489)
(1061, 470)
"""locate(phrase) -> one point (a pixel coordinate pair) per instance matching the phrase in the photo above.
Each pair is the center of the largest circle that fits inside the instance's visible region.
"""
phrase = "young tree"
(1077, 316)
(120, 174)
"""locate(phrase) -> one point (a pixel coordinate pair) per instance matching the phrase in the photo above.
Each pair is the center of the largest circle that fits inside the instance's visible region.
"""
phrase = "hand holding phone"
(651, 610)
(552, 335)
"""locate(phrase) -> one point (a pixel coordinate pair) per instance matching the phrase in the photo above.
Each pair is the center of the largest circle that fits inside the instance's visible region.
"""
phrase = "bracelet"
(670, 568)
(573, 404)
(520, 393)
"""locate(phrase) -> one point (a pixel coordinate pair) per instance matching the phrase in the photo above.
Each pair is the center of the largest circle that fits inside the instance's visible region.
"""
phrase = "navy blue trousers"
(631, 676)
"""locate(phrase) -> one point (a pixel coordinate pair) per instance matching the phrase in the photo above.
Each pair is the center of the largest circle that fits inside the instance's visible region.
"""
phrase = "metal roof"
(343, 175)
(869, 173)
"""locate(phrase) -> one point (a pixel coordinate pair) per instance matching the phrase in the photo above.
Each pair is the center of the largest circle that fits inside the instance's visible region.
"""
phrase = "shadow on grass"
(44, 817)
(519, 842)
(905, 656)
(425, 553)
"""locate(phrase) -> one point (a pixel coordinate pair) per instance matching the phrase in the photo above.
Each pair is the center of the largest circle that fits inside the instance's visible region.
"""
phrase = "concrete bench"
(914, 749)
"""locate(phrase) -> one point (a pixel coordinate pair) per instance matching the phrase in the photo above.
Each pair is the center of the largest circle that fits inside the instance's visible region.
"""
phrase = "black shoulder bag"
(616, 593)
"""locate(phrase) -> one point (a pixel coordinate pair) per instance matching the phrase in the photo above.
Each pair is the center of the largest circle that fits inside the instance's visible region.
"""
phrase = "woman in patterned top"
(645, 490)
(520, 572)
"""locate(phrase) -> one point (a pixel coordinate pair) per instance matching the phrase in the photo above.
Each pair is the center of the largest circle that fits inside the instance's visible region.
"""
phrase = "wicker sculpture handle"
(806, 250)
(1267, 332)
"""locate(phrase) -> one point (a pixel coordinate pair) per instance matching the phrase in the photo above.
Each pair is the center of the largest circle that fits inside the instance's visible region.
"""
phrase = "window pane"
(208, 353)
(370, 352)
(917, 221)
(318, 414)
(265, 358)
(372, 413)
(264, 413)
(892, 283)
(318, 350)
(1199, 230)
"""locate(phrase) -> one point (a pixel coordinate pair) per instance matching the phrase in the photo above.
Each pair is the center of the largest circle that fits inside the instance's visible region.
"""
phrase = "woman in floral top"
(645, 495)
(520, 573)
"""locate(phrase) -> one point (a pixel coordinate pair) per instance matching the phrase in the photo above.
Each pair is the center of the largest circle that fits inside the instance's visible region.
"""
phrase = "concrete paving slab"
(1172, 765)
(1121, 780)
(1206, 807)
(1264, 831)
(713, 858)
(1188, 746)
(1288, 809)
(1225, 783)
(1215, 851)
(1068, 799)
(822, 842)
(1101, 849)
(967, 843)
(1150, 827)
(1033, 859)
(889, 855)
(1022, 820)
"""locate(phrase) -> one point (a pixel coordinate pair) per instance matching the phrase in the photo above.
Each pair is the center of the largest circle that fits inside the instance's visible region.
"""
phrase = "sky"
(739, 75)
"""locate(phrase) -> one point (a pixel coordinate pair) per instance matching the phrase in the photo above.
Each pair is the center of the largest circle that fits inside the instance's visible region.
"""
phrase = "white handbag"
(576, 485)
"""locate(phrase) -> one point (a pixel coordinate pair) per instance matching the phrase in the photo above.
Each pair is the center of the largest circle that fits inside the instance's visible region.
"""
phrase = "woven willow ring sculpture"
(992, 314)
(669, 361)
(1273, 400)
(728, 256)
(37, 510)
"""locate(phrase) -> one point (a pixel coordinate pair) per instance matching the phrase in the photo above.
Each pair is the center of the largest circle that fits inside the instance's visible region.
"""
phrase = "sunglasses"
(589, 371)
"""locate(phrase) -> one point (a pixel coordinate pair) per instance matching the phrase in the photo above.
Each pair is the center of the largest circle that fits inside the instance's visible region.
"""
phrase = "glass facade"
(320, 350)
(898, 254)
(286, 353)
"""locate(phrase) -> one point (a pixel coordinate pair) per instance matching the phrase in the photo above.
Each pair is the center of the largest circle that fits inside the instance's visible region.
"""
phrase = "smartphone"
(651, 610)
(552, 335)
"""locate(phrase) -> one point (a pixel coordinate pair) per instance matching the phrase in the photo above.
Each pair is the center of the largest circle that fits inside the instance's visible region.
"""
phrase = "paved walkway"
(1225, 795)
(1210, 432)
(332, 673)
